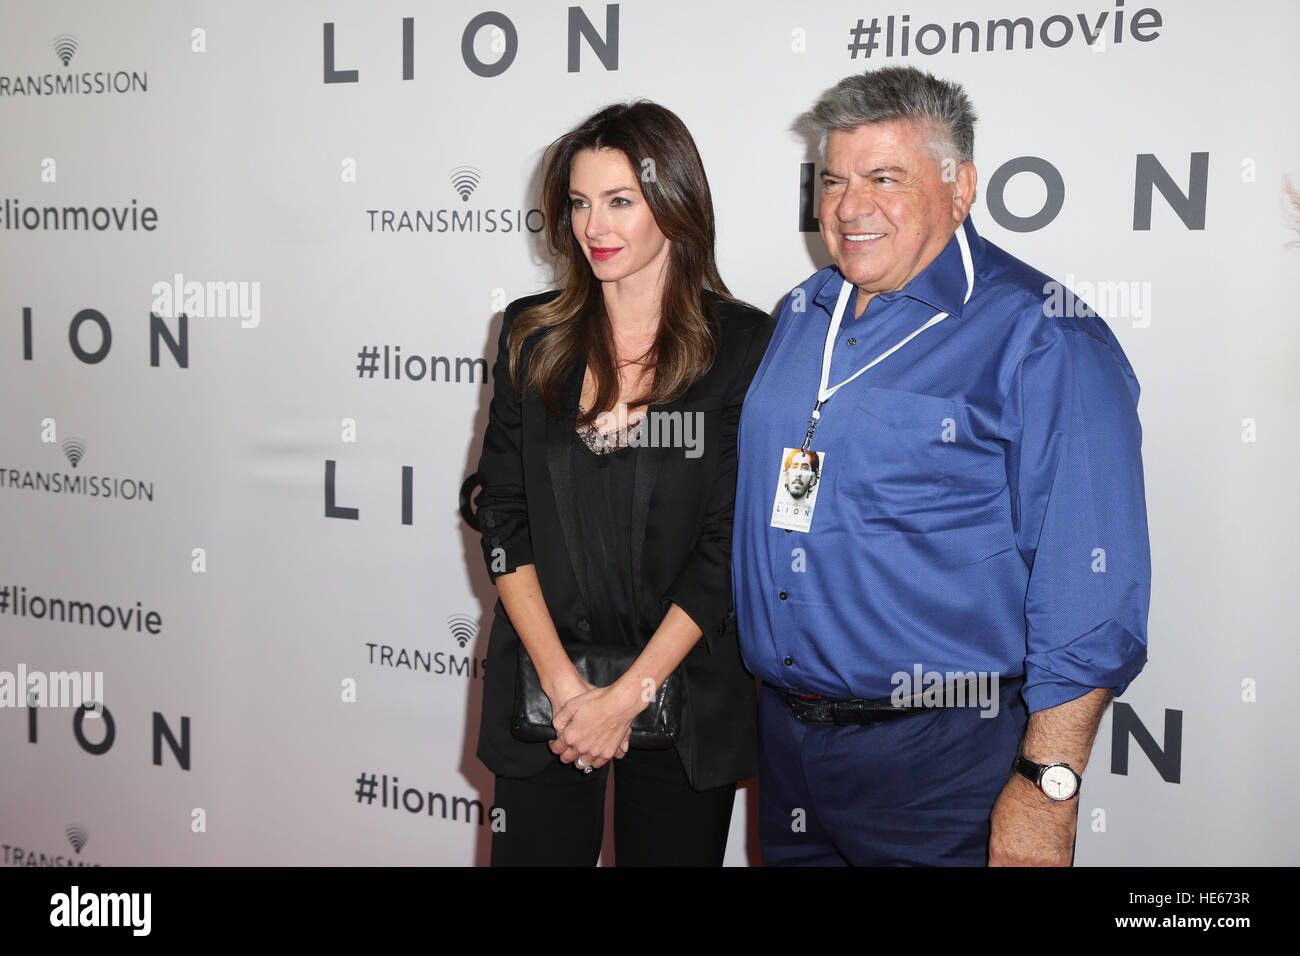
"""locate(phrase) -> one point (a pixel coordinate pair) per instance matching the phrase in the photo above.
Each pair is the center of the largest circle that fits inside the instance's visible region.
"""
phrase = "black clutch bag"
(655, 728)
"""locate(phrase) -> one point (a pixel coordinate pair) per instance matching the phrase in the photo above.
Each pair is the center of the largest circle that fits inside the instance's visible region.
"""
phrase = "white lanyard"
(824, 392)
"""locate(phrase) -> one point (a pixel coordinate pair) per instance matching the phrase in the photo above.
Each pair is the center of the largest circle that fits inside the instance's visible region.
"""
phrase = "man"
(800, 472)
(980, 515)
(792, 510)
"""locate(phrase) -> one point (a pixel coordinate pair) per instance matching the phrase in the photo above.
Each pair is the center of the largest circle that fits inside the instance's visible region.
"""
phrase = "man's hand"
(1031, 830)
(1028, 829)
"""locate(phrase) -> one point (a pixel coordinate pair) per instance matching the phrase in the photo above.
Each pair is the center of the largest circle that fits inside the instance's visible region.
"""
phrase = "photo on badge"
(797, 479)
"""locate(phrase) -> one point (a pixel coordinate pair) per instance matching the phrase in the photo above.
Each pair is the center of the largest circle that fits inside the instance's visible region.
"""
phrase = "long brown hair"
(659, 147)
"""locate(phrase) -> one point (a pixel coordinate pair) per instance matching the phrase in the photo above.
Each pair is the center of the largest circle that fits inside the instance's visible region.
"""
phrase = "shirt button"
(496, 540)
(583, 625)
(789, 662)
(783, 595)
(852, 341)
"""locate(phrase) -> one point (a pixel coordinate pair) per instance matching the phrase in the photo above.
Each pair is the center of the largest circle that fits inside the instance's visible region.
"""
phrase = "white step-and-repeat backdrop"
(253, 259)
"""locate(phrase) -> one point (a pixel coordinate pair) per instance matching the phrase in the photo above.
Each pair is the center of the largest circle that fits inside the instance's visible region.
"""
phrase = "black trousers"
(557, 818)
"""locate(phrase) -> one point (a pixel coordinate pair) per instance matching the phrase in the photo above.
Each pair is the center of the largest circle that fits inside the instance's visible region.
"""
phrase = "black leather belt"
(823, 710)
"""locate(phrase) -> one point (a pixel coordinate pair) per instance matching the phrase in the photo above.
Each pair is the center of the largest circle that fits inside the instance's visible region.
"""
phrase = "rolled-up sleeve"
(1079, 512)
(502, 507)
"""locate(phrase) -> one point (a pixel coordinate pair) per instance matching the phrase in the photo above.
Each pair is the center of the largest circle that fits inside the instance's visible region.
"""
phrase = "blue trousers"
(914, 790)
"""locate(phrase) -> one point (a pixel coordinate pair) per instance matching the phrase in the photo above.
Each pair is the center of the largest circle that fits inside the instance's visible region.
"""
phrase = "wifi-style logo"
(77, 836)
(65, 47)
(75, 449)
(465, 179)
(463, 628)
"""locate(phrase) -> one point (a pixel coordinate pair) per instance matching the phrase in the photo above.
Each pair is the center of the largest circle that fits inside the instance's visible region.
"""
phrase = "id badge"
(798, 476)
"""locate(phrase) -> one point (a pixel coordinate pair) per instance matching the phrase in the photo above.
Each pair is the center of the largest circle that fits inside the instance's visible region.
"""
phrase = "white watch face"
(1058, 782)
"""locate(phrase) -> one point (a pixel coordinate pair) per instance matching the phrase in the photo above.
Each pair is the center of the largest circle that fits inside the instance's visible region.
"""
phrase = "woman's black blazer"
(681, 536)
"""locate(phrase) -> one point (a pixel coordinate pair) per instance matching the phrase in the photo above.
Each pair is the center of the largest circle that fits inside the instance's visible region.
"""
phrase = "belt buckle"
(794, 700)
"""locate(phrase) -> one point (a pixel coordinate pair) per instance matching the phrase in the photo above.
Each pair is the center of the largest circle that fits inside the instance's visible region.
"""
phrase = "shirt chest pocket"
(895, 464)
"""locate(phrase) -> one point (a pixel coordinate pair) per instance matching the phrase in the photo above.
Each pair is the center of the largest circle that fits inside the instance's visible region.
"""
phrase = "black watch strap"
(1027, 768)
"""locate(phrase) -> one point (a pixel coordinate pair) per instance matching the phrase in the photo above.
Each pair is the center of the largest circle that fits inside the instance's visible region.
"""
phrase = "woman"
(595, 532)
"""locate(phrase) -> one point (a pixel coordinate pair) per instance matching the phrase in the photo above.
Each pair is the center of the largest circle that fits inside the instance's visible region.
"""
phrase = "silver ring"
(585, 768)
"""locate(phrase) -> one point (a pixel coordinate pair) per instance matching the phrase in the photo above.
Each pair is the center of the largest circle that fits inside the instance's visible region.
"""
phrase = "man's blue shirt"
(981, 503)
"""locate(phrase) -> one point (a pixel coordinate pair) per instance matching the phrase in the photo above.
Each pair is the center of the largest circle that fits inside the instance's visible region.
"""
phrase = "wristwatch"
(1057, 781)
